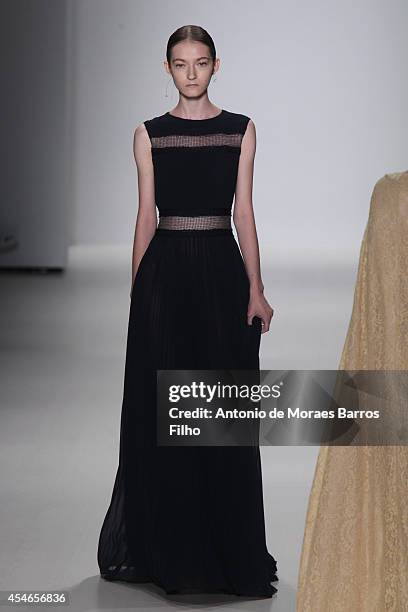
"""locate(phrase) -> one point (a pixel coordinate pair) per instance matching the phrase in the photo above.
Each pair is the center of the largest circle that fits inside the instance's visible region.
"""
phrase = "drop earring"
(166, 94)
(214, 78)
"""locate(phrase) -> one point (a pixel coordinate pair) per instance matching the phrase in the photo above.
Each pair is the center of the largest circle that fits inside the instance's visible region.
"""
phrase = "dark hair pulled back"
(190, 32)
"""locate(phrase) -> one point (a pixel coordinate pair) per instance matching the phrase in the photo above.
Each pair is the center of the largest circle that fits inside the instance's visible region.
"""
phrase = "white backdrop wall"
(35, 191)
(323, 81)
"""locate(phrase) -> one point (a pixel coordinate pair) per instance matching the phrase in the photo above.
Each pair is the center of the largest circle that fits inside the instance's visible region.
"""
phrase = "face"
(191, 67)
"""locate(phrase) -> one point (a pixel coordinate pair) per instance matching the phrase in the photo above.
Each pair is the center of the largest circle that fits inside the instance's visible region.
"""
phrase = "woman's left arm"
(244, 221)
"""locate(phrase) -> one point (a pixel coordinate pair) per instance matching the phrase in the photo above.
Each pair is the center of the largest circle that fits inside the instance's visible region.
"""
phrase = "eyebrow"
(179, 59)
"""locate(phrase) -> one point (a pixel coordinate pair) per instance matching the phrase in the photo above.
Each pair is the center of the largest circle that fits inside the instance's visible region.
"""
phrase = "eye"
(202, 63)
(179, 65)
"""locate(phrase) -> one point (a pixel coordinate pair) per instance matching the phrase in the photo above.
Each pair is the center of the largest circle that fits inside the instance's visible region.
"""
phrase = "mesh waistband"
(200, 222)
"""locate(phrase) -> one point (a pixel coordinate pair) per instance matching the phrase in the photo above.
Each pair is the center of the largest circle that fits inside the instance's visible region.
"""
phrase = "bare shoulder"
(248, 144)
(250, 129)
(141, 134)
(141, 143)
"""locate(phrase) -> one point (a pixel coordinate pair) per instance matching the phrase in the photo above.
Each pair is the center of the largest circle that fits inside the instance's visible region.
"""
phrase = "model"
(190, 519)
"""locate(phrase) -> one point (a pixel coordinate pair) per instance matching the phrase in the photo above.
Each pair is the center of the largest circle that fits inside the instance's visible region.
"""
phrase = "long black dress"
(189, 519)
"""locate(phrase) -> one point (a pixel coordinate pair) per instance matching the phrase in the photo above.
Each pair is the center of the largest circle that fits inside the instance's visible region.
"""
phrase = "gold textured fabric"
(355, 547)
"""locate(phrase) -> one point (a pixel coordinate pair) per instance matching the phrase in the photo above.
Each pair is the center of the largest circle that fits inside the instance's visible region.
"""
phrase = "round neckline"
(196, 120)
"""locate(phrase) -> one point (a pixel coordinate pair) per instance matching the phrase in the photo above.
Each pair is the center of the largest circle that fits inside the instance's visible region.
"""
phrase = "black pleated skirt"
(189, 519)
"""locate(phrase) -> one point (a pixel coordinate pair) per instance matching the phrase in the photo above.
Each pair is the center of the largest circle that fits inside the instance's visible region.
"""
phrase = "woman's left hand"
(259, 306)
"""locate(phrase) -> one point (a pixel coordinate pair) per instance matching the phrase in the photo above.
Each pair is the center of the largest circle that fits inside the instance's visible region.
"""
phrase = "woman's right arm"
(146, 219)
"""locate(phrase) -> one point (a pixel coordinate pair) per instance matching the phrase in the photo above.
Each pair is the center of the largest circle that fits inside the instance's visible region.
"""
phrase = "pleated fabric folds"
(189, 519)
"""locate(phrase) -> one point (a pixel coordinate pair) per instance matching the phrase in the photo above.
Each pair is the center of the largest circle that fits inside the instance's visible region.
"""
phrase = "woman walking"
(190, 519)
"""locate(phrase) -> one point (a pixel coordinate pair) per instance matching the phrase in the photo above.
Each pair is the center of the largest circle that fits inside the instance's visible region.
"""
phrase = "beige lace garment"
(355, 548)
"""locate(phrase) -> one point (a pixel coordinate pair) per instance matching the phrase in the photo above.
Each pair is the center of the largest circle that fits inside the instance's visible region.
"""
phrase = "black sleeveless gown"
(188, 519)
